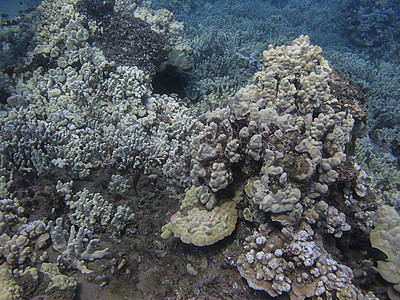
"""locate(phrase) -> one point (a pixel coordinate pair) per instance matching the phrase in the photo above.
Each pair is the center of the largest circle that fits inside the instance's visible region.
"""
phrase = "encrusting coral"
(58, 280)
(198, 225)
(202, 227)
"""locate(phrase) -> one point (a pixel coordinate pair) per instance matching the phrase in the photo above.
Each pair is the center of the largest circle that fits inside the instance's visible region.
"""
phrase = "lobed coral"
(282, 140)
(294, 261)
(9, 289)
(285, 136)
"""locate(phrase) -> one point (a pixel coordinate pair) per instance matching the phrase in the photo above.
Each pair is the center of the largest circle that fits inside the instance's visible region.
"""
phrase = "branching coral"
(73, 247)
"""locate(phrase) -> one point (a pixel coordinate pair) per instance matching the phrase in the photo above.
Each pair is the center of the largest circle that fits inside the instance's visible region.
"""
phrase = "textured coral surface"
(111, 189)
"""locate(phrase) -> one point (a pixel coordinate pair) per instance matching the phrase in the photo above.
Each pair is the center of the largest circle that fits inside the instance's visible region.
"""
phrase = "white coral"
(74, 248)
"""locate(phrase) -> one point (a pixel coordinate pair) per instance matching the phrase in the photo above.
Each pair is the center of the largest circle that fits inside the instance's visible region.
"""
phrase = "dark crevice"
(170, 81)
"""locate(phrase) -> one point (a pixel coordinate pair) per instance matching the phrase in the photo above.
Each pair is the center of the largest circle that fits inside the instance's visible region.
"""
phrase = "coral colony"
(104, 180)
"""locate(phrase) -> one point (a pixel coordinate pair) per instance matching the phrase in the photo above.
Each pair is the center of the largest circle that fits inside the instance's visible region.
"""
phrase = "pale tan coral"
(161, 21)
(58, 280)
(206, 197)
(220, 177)
(89, 208)
(15, 249)
(255, 146)
(9, 289)
(311, 147)
(231, 151)
(60, 25)
(320, 125)
(240, 103)
(313, 214)
(201, 227)
(282, 201)
(386, 237)
(301, 61)
(3, 223)
(328, 166)
(190, 197)
(336, 222)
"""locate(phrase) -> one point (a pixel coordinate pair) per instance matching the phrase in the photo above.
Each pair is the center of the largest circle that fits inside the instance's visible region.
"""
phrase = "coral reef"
(269, 139)
(72, 138)
(88, 144)
(284, 140)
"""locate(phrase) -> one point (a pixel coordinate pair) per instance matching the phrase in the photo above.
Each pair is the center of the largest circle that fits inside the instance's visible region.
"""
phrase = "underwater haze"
(199, 149)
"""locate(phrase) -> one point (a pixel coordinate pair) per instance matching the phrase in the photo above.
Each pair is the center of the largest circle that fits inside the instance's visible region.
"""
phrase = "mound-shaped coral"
(284, 137)
(283, 141)
(385, 237)
(201, 227)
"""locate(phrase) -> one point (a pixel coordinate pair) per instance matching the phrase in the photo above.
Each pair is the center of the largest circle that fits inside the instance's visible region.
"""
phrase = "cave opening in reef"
(170, 81)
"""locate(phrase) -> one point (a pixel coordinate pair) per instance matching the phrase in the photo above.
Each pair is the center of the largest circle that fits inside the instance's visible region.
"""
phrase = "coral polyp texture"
(201, 227)
(94, 161)
(294, 261)
(283, 137)
(283, 141)
(385, 238)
